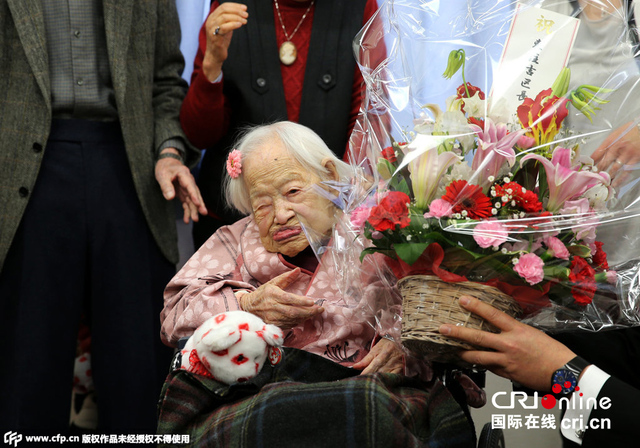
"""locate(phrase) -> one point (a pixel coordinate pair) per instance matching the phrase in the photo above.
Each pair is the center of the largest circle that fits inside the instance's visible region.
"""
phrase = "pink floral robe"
(234, 259)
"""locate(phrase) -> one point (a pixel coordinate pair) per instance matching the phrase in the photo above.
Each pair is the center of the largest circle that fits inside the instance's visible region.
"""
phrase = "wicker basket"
(429, 302)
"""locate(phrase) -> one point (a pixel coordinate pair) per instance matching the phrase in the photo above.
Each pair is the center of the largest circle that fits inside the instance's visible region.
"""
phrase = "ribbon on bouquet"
(530, 299)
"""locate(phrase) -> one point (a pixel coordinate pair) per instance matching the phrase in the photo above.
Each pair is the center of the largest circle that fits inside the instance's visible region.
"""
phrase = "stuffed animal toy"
(231, 347)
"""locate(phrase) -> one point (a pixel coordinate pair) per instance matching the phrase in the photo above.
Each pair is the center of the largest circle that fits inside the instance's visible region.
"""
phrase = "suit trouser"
(83, 245)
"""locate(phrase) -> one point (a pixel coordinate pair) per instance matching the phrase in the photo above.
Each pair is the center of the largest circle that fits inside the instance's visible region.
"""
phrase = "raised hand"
(219, 29)
(276, 306)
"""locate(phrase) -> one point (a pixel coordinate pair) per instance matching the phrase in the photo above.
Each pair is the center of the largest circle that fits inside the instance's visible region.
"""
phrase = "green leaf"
(579, 250)
(558, 272)
(372, 250)
(410, 252)
(458, 256)
(399, 155)
(417, 221)
(385, 169)
(401, 185)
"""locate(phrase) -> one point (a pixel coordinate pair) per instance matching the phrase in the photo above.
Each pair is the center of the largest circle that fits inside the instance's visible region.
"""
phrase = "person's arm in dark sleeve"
(622, 416)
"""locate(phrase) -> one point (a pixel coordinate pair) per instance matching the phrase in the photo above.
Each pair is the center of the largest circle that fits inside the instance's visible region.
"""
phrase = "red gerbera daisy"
(467, 197)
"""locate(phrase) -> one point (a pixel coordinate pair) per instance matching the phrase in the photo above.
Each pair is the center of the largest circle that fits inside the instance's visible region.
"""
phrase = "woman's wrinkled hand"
(385, 357)
(275, 306)
(219, 28)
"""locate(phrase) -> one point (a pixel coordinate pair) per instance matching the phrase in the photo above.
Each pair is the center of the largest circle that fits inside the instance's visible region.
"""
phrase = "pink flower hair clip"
(234, 164)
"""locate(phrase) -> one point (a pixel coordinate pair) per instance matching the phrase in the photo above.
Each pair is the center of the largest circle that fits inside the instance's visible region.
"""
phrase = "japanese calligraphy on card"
(536, 49)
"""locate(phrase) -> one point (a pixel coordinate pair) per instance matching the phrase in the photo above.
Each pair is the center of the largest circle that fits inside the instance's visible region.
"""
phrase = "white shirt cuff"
(590, 385)
(218, 79)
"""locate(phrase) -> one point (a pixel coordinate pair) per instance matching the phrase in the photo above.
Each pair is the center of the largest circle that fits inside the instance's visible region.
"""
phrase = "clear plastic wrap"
(367, 287)
(529, 183)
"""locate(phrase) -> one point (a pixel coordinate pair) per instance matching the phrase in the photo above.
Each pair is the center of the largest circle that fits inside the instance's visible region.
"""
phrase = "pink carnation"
(234, 164)
(557, 247)
(359, 216)
(612, 277)
(490, 234)
(439, 208)
(529, 267)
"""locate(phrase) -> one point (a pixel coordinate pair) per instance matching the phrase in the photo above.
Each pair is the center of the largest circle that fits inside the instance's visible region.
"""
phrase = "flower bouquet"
(517, 225)
(482, 202)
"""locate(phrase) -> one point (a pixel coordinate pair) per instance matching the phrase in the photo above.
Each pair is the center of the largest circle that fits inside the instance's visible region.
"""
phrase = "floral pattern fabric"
(234, 259)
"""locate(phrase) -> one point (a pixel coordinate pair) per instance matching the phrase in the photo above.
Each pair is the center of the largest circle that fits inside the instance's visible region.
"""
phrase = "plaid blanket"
(309, 401)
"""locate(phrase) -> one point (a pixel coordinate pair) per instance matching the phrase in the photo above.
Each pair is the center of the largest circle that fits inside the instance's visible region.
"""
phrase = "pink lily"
(565, 182)
(495, 145)
(584, 219)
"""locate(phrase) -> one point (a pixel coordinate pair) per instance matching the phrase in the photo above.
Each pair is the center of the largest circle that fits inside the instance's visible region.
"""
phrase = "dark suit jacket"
(623, 415)
(143, 38)
(617, 352)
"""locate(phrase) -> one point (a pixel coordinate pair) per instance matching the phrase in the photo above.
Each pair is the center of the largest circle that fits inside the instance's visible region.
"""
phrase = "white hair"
(300, 142)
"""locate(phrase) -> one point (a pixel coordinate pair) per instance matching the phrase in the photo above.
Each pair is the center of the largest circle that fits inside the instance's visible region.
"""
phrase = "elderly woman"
(339, 375)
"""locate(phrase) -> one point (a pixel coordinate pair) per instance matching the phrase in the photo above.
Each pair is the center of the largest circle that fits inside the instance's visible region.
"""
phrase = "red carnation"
(584, 283)
(391, 211)
(389, 154)
(600, 258)
(469, 198)
(528, 200)
(530, 203)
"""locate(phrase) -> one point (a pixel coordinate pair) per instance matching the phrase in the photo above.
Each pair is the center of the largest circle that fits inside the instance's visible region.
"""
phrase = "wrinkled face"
(280, 189)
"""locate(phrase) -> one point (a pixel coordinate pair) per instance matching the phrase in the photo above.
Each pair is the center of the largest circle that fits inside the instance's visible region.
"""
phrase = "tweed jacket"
(143, 38)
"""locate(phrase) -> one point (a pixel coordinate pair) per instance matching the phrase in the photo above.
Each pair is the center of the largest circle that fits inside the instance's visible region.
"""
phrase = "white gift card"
(537, 48)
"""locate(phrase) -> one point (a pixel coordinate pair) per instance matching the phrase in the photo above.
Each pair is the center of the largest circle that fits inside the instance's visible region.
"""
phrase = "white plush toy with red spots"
(231, 347)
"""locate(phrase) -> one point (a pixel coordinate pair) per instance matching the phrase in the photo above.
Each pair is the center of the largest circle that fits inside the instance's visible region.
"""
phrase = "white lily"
(427, 166)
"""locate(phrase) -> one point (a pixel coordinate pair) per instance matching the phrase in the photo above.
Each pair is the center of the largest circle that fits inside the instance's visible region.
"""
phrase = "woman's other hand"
(275, 306)
(385, 357)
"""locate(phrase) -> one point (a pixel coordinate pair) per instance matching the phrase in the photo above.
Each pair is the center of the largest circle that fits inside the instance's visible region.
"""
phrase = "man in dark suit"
(530, 357)
(90, 155)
